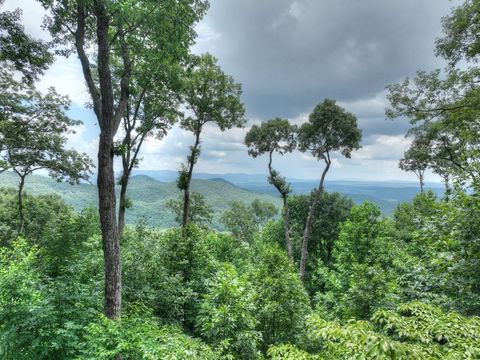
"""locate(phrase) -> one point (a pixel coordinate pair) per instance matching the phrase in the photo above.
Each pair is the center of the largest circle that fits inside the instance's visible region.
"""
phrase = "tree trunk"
(108, 222)
(448, 190)
(21, 216)
(186, 204)
(421, 178)
(286, 212)
(309, 223)
(286, 221)
(186, 192)
(122, 202)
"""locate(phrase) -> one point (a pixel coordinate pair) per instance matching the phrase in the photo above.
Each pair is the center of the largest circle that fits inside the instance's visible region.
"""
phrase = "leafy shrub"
(226, 318)
(140, 336)
(412, 331)
(281, 300)
(363, 276)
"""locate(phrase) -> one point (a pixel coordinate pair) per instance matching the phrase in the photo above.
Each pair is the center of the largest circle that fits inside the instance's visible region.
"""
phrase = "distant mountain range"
(386, 194)
(149, 191)
(148, 194)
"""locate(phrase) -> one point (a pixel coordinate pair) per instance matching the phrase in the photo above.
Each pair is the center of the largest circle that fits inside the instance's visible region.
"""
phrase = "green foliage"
(281, 300)
(33, 132)
(329, 128)
(148, 195)
(276, 135)
(410, 217)
(363, 276)
(331, 211)
(226, 317)
(444, 106)
(356, 340)
(200, 213)
(50, 224)
(212, 95)
(446, 335)
(41, 317)
(416, 160)
(147, 278)
(189, 257)
(413, 331)
(289, 352)
(244, 221)
(460, 29)
(443, 253)
(139, 336)
(28, 55)
(182, 180)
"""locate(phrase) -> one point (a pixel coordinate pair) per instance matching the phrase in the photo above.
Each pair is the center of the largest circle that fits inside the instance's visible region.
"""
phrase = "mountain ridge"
(150, 194)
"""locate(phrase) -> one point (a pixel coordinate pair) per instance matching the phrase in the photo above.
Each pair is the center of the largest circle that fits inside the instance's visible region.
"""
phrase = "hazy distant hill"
(148, 195)
(387, 194)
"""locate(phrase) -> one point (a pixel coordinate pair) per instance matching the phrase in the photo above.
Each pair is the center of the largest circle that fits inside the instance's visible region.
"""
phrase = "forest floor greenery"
(405, 287)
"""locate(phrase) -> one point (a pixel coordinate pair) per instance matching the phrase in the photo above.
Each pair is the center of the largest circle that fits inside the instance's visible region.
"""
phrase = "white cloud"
(383, 147)
(66, 76)
(369, 107)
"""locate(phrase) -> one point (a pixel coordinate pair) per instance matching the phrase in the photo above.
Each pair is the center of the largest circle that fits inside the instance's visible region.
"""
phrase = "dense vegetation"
(325, 279)
(410, 283)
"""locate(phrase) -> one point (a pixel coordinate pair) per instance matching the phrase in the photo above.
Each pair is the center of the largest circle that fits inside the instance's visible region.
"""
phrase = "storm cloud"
(289, 55)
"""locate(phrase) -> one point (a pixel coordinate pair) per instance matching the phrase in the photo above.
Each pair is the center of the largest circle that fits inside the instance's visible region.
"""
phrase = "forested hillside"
(149, 197)
(100, 262)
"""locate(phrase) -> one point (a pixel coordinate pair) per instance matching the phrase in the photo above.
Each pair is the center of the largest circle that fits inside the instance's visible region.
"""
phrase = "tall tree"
(445, 105)
(213, 97)
(416, 159)
(332, 210)
(28, 55)
(129, 35)
(33, 133)
(329, 128)
(276, 135)
(151, 111)
(243, 221)
(201, 213)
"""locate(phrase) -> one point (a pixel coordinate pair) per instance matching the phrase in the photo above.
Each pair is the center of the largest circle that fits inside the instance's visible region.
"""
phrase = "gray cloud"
(290, 54)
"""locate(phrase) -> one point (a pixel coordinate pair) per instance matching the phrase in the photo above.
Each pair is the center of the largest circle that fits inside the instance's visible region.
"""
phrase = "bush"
(226, 318)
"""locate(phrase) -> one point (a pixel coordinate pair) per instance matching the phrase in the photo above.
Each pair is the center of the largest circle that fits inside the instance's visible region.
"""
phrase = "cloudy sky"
(289, 55)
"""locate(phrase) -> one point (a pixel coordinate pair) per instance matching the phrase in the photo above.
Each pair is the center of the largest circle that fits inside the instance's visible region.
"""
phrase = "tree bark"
(309, 223)
(186, 192)
(421, 178)
(122, 207)
(108, 222)
(286, 221)
(286, 212)
(128, 160)
(108, 120)
(21, 215)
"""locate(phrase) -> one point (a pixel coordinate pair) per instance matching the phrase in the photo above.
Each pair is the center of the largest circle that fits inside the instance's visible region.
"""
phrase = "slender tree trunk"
(108, 222)
(309, 223)
(448, 190)
(122, 202)
(21, 215)
(106, 177)
(286, 212)
(108, 116)
(421, 178)
(286, 221)
(186, 192)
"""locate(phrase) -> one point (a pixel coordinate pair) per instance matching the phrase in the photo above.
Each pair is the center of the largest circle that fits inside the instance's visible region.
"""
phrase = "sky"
(289, 55)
